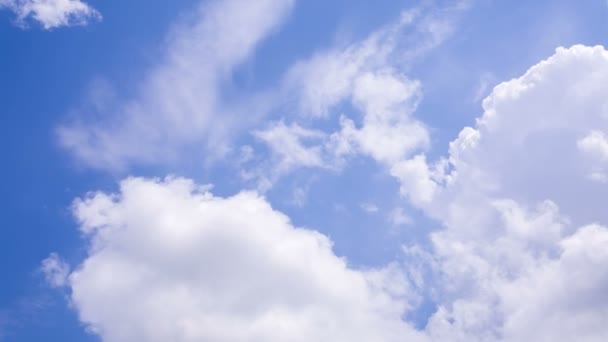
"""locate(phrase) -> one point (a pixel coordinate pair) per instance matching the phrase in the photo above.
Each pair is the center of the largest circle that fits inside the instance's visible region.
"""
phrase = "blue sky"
(378, 126)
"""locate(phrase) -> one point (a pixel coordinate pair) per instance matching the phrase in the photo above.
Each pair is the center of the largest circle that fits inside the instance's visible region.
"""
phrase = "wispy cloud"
(178, 103)
(370, 208)
(23, 311)
(51, 13)
(371, 77)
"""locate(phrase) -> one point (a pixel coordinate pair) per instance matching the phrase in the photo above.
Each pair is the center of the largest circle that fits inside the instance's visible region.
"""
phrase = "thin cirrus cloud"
(178, 104)
(51, 14)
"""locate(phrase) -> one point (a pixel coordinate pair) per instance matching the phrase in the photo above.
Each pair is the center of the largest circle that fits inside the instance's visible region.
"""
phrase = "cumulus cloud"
(522, 255)
(179, 103)
(51, 13)
(169, 261)
(536, 131)
(508, 289)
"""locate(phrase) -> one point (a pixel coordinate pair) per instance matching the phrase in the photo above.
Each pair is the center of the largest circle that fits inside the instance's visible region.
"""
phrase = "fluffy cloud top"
(168, 261)
(523, 253)
(540, 137)
(52, 13)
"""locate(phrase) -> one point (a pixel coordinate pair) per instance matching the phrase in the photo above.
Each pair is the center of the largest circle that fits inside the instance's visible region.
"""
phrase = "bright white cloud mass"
(523, 255)
(170, 262)
(522, 249)
(51, 13)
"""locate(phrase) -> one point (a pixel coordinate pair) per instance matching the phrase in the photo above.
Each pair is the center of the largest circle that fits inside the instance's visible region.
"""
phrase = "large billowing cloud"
(523, 255)
(52, 13)
(168, 261)
(179, 103)
(542, 136)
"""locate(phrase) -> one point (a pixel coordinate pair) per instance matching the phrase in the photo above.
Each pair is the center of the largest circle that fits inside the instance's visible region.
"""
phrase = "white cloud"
(178, 104)
(52, 13)
(293, 146)
(531, 136)
(168, 262)
(370, 76)
(388, 133)
(179, 107)
(416, 179)
(565, 299)
(504, 290)
(518, 259)
(55, 270)
(329, 77)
